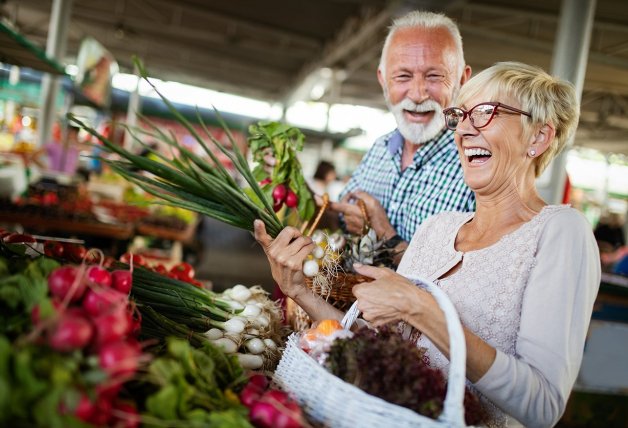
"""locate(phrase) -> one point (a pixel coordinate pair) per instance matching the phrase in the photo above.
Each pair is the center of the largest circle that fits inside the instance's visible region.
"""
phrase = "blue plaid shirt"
(432, 184)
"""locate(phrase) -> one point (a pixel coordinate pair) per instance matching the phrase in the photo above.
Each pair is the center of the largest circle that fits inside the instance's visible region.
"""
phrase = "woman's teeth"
(477, 155)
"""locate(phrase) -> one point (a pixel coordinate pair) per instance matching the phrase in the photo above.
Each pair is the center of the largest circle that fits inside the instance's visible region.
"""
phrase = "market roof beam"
(15, 49)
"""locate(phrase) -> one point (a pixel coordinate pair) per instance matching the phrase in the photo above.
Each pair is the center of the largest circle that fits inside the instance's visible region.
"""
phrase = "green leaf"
(232, 418)
(4, 267)
(164, 403)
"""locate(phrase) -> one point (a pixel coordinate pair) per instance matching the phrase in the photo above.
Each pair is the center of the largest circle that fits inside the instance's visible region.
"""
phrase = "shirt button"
(394, 205)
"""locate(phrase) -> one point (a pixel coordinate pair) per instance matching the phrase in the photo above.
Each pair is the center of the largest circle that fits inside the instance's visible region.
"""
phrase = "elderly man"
(414, 171)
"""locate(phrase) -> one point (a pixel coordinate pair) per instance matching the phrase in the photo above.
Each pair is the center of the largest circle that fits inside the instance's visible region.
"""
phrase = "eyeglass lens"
(480, 115)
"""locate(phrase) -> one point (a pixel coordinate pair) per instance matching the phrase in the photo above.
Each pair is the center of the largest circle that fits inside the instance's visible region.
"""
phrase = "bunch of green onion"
(189, 181)
(242, 321)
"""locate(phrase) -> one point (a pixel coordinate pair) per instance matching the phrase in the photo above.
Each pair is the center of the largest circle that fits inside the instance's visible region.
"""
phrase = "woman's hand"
(392, 298)
(286, 255)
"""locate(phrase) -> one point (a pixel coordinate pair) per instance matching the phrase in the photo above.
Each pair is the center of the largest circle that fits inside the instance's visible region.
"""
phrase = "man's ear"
(466, 75)
(380, 78)
(542, 139)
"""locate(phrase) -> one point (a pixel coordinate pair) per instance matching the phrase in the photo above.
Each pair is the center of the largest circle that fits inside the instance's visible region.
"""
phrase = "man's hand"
(356, 220)
(377, 215)
(353, 217)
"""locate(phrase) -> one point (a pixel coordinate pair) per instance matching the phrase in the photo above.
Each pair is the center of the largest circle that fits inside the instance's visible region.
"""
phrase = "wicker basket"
(338, 295)
(328, 400)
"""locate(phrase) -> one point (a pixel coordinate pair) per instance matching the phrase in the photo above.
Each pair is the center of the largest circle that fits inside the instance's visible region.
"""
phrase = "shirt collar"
(427, 150)
(395, 142)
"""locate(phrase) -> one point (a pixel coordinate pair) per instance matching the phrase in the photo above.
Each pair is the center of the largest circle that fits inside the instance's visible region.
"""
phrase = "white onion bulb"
(310, 268)
(318, 236)
(318, 252)
(336, 242)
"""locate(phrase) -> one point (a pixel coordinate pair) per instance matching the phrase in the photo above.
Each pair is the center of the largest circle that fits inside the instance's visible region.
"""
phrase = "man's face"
(421, 79)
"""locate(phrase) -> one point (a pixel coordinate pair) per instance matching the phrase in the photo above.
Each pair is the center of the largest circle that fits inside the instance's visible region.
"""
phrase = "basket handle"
(453, 411)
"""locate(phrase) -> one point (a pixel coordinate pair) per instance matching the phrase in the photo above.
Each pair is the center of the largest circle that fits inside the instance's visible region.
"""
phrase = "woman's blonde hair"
(548, 99)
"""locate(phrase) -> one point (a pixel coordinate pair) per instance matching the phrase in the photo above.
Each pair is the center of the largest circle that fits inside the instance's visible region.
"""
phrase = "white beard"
(418, 133)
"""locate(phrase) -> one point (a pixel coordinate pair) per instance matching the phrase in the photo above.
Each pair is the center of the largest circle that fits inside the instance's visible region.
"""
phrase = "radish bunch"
(90, 312)
(283, 194)
(270, 408)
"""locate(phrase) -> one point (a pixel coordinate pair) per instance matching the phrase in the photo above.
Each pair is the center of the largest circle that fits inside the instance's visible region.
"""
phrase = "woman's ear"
(541, 140)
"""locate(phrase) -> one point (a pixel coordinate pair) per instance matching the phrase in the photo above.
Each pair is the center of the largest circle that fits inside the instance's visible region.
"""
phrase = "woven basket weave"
(338, 295)
(328, 400)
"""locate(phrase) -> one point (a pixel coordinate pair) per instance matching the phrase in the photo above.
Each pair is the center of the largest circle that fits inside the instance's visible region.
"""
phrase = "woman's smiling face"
(494, 158)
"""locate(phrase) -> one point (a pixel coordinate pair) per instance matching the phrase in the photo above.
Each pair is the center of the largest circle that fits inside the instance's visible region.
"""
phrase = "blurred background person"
(325, 179)
(610, 232)
(63, 156)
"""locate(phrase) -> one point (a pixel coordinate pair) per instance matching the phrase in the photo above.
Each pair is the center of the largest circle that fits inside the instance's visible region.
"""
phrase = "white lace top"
(530, 296)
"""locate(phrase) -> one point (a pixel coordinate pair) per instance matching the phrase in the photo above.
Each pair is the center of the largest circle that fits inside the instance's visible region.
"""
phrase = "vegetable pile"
(67, 344)
(70, 354)
(193, 387)
(270, 408)
(385, 365)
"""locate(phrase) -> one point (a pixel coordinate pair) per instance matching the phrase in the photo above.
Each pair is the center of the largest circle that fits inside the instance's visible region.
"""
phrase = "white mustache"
(425, 106)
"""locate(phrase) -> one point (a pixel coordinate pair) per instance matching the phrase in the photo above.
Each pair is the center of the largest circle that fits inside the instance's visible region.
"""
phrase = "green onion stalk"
(189, 181)
(239, 323)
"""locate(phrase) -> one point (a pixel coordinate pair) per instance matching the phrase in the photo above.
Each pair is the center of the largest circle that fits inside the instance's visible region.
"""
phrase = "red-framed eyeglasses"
(480, 115)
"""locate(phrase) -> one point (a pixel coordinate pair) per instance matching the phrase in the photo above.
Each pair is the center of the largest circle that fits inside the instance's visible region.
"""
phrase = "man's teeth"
(476, 152)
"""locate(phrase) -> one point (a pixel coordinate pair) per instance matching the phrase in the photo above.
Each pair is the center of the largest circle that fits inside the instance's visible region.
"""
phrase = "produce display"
(68, 342)
(81, 345)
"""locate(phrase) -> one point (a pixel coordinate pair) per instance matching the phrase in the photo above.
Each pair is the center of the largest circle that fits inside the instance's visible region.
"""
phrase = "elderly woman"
(522, 274)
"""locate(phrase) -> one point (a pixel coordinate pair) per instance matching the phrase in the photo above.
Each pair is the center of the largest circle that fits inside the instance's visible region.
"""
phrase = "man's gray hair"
(426, 20)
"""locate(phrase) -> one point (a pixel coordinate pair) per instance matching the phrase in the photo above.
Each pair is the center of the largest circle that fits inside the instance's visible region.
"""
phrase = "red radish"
(102, 412)
(84, 408)
(119, 358)
(279, 193)
(126, 415)
(122, 280)
(71, 332)
(265, 181)
(277, 206)
(98, 275)
(292, 200)
(275, 396)
(109, 390)
(112, 326)
(97, 302)
(135, 322)
(250, 395)
(285, 419)
(263, 414)
(258, 380)
(61, 280)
